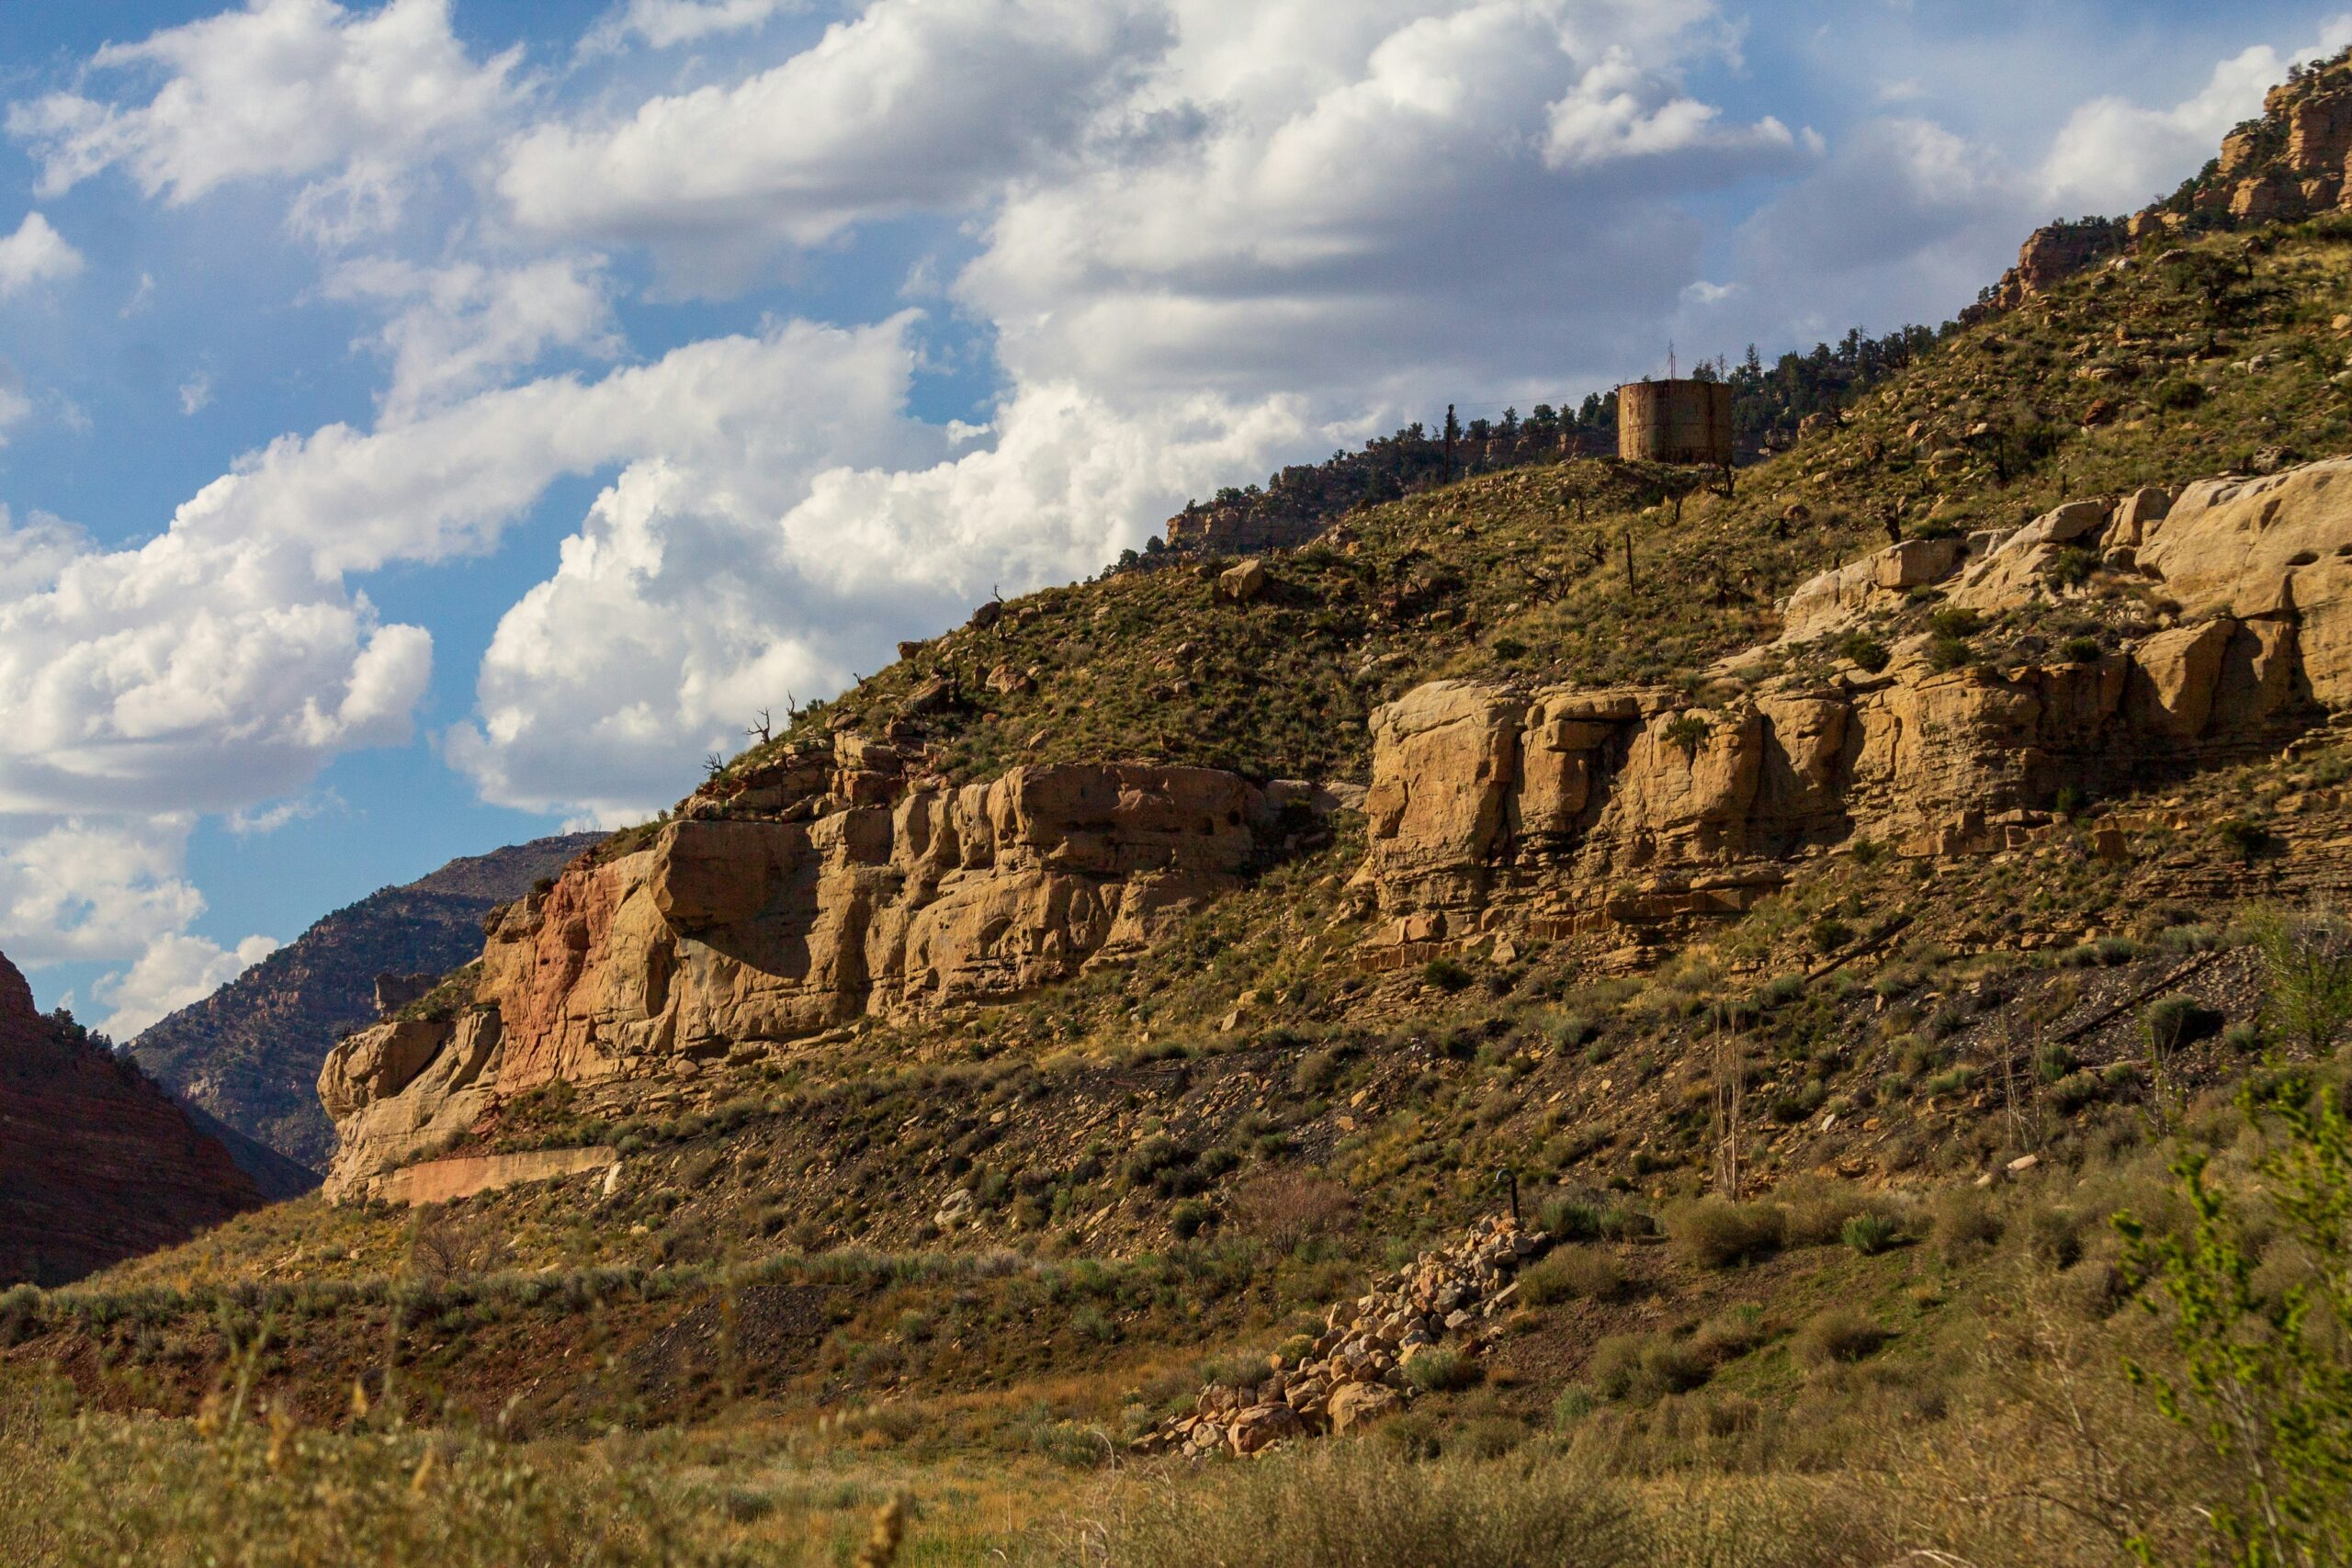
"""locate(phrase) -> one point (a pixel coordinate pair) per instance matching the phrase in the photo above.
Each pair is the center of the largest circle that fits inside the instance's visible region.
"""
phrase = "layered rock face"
(820, 889)
(97, 1163)
(250, 1053)
(2290, 164)
(2049, 255)
(1569, 811)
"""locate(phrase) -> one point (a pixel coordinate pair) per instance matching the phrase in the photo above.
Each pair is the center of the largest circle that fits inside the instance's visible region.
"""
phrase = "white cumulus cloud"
(665, 23)
(174, 972)
(912, 104)
(464, 327)
(35, 253)
(2114, 155)
(304, 89)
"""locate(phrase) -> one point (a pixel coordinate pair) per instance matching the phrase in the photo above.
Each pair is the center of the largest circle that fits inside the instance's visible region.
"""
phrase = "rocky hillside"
(2288, 164)
(1572, 962)
(249, 1053)
(96, 1163)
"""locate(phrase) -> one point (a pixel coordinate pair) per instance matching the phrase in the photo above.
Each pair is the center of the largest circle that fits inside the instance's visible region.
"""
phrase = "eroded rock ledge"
(835, 884)
(821, 889)
(1572, 812)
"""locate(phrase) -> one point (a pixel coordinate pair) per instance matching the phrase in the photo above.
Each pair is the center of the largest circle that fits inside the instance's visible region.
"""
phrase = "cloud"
(665, 23)
(1617, 110)
(195, 394)
(1899, 201)
(675, 618)
(83, 889)
(299, 89)
(188, 674)
(35, 253)
(15, 405)
(174, 972)
(765, 412)
(1491, 195)
(247, 824)
(2113, 156)
(466, 327)
(226, 660)
(916, 104)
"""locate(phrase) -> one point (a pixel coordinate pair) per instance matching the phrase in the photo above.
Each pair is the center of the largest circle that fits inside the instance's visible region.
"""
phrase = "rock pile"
(1359, 1368)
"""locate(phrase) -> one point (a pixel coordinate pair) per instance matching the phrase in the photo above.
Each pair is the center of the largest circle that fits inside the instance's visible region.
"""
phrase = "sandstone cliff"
(1571, 811)
(830, 885)
(2290, 164)
(798, 897)
(96, 1163)
(249, 1053)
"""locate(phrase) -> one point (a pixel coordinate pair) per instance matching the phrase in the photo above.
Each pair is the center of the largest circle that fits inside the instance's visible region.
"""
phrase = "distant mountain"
(97, 1163)
(249, 1053)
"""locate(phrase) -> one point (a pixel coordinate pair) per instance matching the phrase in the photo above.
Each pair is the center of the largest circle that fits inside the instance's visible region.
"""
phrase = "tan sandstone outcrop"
(818, 890)
(1575, 810)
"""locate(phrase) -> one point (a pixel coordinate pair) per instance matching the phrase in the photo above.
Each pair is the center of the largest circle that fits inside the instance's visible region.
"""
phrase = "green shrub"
(2247, 839)
(2264, 1389)
(2177, 1021)
(1858, 646)
(2072, 566)
(1673, 1366)
(2080, 651)
(1716, 1234)
(1569, 1219)
(1957, 1080)
(1829, 933)
(2053, 1061)
(1615, 1367)
(2307, 971)
(1838, 1334)
(1189, 1218)
(1729, 1335)
(1870, 1234)
(1572, 1272)
(2075, 1090)
(1948, 653)
(1441, 1368)
(1964, 1224)
(1446, 975)
(1684, 731)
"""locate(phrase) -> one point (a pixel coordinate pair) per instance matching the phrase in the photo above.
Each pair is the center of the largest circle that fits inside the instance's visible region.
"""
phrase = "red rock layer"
(96, 1163)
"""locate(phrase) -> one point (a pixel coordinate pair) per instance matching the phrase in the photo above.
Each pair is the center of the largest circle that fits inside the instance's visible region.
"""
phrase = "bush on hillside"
(1716, 1234)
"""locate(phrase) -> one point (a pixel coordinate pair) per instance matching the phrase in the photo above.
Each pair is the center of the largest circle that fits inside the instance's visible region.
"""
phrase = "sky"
(429, 424)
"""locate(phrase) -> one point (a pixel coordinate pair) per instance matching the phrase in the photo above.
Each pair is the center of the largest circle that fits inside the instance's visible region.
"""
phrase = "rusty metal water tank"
(1675, 421)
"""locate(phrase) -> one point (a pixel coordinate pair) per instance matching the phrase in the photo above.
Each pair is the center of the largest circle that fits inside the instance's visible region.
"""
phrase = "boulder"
(2135, 514)
(1355, 1404)
(1261, 1427)
(1242, 583)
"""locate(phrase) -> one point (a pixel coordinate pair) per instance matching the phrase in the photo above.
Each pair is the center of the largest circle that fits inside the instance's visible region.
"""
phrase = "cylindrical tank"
(1675, 421)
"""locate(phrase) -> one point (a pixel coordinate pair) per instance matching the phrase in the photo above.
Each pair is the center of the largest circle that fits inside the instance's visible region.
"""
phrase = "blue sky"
(428, 425)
